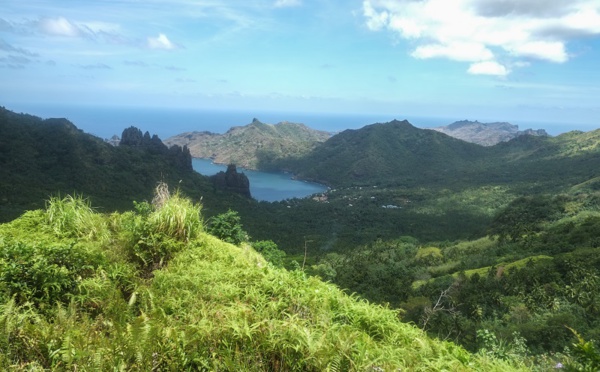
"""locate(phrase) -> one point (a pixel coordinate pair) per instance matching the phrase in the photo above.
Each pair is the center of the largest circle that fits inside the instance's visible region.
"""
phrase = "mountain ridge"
(486, 134)
(243, 144)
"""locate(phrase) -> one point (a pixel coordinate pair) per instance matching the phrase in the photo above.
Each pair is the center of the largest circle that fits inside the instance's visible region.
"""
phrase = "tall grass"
(73, 216)
(177, 217)
(155, 232)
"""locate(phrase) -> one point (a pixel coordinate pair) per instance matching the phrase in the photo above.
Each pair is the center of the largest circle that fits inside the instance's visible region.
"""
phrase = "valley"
(493, 248)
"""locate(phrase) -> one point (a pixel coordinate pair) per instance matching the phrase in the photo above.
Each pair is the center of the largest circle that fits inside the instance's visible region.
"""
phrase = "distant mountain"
(486, 134)
(245, 145)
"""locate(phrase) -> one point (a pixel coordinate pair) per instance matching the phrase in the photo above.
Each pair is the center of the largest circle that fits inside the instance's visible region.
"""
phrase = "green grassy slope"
(149, 290)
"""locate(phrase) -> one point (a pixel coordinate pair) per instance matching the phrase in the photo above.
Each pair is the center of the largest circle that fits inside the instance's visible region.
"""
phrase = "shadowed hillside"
(39, 158)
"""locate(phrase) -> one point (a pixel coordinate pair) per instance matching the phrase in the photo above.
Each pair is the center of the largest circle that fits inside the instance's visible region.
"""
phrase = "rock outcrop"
(179, 156)
(231, 180)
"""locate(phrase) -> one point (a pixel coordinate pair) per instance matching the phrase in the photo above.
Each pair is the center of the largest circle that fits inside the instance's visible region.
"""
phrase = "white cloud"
(488, 68)
(461, 51)
(161, 42)
(59, 27)
(549, 50)
(287, 3)
(484, 31)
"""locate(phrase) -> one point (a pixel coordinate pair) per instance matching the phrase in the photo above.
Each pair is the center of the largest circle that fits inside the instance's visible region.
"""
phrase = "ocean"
(105, 121)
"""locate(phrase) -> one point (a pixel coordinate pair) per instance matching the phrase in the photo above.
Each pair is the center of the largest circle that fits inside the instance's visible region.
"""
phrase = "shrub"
(268, 249)
(153, 233)
(429, 256)
(227, 227)
(45, 274)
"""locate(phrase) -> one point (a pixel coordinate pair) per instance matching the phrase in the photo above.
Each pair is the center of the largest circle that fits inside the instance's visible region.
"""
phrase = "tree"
(270, 252)
(227, 227)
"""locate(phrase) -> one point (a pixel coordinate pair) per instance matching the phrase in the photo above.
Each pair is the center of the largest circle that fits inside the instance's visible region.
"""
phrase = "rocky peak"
(231, 180)
(180, 156)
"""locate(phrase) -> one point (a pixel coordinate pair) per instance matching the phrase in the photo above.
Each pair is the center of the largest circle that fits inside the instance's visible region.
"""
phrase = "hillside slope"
(244, 145)
(486, 134)
(39, 158)
(400, 155)
(394, 153)
(149, 290)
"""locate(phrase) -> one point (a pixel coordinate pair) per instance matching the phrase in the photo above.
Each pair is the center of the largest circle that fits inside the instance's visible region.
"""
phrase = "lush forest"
(491, 248)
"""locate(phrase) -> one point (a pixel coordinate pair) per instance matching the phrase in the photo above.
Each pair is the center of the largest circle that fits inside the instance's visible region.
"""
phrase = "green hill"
(394, 153)
(456, 235)
(39, 158)
(150, 290)
(252, 146)
(400, 155)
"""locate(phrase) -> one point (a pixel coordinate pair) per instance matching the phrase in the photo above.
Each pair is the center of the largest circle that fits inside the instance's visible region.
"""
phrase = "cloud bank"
(492, 35)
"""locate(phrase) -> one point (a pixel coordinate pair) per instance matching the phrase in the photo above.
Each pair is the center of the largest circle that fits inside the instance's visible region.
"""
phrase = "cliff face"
(486, 134)
(179, 156)
(231, 180)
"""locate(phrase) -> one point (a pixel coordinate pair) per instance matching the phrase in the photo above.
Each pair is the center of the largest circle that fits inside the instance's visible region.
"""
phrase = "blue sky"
(505, 60)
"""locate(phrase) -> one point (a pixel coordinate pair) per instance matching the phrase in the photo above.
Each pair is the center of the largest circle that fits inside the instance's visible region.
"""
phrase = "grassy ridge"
(95, 301)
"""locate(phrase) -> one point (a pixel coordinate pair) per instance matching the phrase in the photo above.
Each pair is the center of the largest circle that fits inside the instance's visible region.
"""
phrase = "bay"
(265, 186)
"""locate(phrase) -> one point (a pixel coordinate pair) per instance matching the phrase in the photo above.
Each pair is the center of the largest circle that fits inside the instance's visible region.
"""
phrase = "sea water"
(104, 121)
(265, 186)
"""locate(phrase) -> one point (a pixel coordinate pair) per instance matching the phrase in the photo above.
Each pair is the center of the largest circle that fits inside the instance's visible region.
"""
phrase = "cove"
(265, 186)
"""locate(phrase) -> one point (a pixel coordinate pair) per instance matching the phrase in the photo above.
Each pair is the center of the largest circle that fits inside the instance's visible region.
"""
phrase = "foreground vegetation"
(149, 289)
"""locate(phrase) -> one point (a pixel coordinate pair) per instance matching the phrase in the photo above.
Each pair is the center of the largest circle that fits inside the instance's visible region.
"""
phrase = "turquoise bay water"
(265, 186)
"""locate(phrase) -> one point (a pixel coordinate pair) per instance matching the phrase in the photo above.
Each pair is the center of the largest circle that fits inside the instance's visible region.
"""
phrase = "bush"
(227, 227)
(45, 274)
(73, 217)
(429, 256)
(154, 233)
(270, 252)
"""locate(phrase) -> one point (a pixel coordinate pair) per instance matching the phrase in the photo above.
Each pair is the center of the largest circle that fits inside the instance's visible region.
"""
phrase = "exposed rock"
(114, 140)
(179, 156)
(231, 180)
(486, 134)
